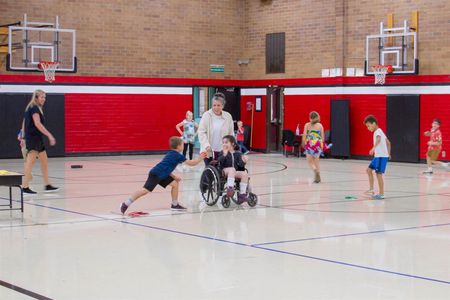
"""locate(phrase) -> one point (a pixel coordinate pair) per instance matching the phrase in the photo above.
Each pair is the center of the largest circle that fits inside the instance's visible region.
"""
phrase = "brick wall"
(331, 33)
(173, 38)
(310, 36)
(363, 17)
(181, 38)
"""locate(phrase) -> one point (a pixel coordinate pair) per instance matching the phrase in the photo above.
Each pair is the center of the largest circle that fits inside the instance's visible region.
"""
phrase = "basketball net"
(380, 72)
(49, 68)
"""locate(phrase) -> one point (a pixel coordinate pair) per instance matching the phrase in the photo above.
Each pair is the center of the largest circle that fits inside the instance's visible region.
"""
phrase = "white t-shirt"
(381, 150)
(217, 124)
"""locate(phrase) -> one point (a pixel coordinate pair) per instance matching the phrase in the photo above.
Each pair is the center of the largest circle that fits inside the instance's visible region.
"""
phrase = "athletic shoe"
(230, 192)
(123, 208)
(177, 207)
(428, 172)
(50, 188)
(242, 198)
(247, 152)
(28, 191)
(378, 197)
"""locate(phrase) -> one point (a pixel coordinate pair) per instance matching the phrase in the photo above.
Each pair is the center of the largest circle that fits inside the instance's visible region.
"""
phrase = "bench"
(11, 179)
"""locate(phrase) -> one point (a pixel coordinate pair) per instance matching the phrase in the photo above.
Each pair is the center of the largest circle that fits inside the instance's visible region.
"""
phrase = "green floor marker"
(350, 197)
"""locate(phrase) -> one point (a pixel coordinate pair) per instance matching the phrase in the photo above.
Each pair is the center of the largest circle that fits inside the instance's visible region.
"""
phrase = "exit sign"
(217, 68)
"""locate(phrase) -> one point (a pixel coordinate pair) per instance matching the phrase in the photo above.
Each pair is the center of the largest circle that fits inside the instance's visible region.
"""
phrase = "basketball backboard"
(38, 41)
(393, 46)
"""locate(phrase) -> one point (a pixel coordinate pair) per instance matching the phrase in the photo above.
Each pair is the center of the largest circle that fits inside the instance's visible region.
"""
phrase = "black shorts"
(35, 143)
(153, 181)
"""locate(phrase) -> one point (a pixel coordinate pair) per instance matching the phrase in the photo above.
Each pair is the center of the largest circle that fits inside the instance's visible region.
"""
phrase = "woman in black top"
(232, 163)
(35, 130)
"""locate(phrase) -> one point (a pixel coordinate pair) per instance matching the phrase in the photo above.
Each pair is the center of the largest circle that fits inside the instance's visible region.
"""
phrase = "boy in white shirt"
(381, 151)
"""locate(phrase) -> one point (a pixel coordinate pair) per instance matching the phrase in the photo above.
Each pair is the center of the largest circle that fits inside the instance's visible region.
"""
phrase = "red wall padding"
(431, 107)
(110, 123)
(361, 139)
(297, 108)
(259, 121)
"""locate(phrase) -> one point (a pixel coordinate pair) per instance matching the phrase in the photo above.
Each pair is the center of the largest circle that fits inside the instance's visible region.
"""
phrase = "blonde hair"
(314, 117)
(189, 113)
(33, 102)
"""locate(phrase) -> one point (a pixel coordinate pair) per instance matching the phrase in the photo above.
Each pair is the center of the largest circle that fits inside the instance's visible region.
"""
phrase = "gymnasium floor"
(302, 241)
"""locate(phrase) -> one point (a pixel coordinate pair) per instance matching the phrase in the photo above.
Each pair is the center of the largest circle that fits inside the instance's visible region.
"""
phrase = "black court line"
(215, 239)
(2, 227)
(23, 291)
(291, 206)
(366, 212)
(376, 202)
(79, 181)
(350, 234)
(356, 212)
(283, 167)
(35, 197)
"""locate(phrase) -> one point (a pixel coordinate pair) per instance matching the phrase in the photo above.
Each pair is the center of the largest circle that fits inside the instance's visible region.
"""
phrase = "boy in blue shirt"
(162, 174)
(381, 151)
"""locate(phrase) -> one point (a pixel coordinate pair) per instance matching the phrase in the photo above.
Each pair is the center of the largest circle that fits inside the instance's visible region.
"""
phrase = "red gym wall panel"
(361, 139)
(298, 107)
(259, 121)
(115, 123)
(431, 107)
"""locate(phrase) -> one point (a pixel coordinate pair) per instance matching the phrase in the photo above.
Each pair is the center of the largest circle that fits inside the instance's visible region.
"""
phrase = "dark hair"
(370, 119)
(437, 121)
(315, 117)
(232, 141)
(174, 142)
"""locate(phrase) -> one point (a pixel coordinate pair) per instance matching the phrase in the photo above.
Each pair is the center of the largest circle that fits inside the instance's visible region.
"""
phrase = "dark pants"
(191, 149)
(210, 159)
(242, 147)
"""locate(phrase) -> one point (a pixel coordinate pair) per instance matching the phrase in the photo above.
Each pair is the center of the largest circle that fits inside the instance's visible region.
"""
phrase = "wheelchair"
(212, 183)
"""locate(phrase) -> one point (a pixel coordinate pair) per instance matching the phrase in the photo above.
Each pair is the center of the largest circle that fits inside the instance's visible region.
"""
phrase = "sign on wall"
(217, 68)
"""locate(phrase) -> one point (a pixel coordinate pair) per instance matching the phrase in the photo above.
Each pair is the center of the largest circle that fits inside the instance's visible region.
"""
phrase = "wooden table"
(11, 179)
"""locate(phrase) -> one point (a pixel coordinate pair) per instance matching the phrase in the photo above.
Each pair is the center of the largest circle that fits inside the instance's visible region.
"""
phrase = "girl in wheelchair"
(232, 163)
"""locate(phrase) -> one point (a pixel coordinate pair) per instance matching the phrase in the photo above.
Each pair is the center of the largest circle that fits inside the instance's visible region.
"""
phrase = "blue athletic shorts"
(379, 164)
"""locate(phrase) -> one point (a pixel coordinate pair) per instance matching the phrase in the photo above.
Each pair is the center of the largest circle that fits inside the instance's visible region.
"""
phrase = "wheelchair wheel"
(252, 200)
(210, 185)
(225, 201)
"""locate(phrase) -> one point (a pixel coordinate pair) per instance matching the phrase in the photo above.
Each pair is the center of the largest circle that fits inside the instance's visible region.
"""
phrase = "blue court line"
(353, 265)
(348, 234)
(245, 245)
(137, 224)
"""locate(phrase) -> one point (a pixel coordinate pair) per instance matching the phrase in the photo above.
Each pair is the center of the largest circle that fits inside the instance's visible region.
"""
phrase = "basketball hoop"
(380, 72)
(49, 68)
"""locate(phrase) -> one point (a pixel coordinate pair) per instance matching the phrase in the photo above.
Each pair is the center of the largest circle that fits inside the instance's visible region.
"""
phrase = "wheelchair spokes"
(210, 186)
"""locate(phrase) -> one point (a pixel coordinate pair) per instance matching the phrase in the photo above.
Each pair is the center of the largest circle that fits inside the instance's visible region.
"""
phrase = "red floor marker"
(137, 214)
